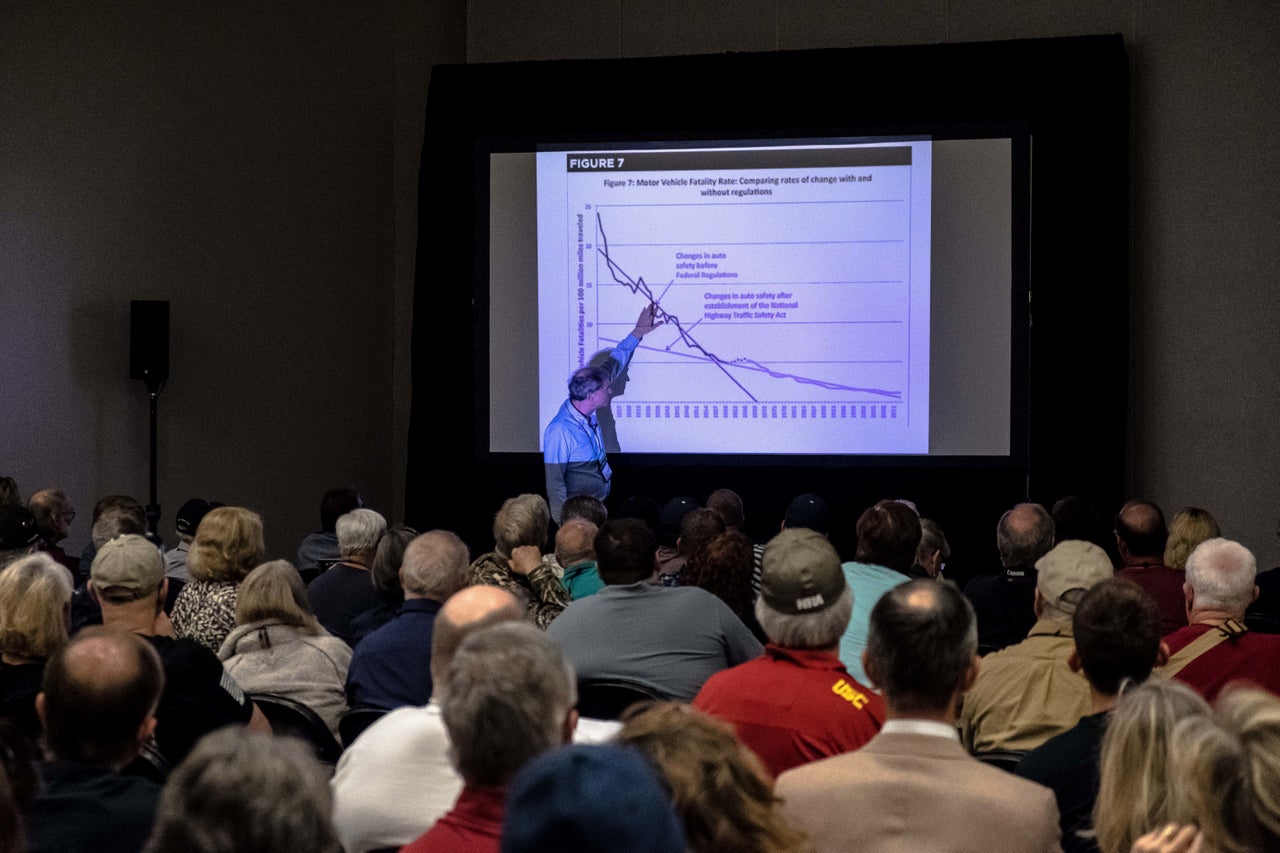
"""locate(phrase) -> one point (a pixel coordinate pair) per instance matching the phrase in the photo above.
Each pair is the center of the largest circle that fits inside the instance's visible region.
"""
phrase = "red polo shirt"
(474, 825)
(793, 706)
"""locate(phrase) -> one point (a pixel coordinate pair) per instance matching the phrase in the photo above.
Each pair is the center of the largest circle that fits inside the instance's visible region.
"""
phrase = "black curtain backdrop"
(1073, 95)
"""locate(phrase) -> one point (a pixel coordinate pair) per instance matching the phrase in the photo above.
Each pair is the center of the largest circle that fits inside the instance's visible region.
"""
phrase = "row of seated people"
(606, 635)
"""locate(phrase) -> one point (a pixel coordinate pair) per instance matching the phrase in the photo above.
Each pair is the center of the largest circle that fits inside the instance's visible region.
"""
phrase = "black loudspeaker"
(149, 341)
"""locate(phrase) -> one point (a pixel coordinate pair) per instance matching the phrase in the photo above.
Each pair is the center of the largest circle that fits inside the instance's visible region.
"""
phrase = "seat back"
(356, 720)
(1005, 759)
(290, 717)
(608, 698)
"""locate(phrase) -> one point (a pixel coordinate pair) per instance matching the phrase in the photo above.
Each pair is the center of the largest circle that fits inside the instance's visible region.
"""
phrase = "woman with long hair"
(718, 786)
(278, 646)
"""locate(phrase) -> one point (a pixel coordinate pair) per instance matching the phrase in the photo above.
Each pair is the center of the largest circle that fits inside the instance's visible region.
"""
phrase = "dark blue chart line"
(639, 286)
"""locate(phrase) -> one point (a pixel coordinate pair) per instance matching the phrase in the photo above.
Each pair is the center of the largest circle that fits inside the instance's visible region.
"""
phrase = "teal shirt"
(582, 579)
(868, 583)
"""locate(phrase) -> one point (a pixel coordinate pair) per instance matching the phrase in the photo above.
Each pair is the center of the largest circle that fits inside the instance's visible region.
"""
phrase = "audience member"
(1189, 527)
(576, 552)
(395, 780)
(227, 546)
(9, 494)
(1135, 772)
(697, 528)
(34, 596)
(723, 567)
(385, 575)
(1217, 648)
(510, 696)
(810, 511)
(643, 507)
(670, 560)
(18, 785)
(1116, 631)
(1141, 537)
(113, 515)
(278, 647)
(913, 787)
(888, 535)
(1226, 773)
(797, 703)
(589, 799)
(667, 639)
(392, 666)
(729, 504)
(932, 553)
(18, 534)
(1027, 692)
(186, 522)
(720, 790)
(344, 590)
(246, 793)
(1077, 517)
(127, 579)
(515, 563)
(319, 550)
(53, 514)
(1262, 616)
(98, 707)
(1003, 601)
(585, 507)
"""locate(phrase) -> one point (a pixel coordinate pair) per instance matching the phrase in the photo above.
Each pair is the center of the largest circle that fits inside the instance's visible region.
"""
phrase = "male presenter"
(572, 446)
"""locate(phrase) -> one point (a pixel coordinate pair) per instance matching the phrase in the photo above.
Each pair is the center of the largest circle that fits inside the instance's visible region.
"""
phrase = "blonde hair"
(274, 591)
(1134, 790)
(1228, 773)
(227, 545)
(1189, 528)
(719, 788)
(34, 594)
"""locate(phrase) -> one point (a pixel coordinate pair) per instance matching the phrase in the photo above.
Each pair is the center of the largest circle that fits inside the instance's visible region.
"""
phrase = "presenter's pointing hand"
(647, 321)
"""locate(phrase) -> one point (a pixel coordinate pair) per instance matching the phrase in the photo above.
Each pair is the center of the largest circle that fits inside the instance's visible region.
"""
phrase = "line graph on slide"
(788, 286)
(638, 286)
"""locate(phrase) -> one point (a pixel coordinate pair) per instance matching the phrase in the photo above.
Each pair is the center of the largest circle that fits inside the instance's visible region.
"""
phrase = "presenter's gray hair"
(587, 381)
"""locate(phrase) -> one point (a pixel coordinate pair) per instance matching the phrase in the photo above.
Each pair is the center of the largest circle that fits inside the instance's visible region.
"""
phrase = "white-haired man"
(1216, 648)
(346, 590)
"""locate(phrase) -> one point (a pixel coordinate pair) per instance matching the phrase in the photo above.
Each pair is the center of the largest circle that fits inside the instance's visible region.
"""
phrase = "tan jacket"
(917, 793)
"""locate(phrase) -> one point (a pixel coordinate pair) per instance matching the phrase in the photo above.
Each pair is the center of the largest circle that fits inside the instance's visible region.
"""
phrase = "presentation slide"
(840, 298)
(792, 284)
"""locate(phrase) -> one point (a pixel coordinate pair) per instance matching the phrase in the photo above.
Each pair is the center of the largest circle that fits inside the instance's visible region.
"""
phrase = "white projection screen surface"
(836, 298)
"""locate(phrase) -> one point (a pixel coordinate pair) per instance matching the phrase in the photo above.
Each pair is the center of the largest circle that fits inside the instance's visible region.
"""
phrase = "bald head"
(1141, 531)
(99, 694)
(468, 610)
(435, 565)
(1024, 535)
(575, 542)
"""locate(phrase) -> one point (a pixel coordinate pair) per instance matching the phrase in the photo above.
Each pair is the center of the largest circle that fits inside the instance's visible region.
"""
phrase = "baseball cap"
(808, 510)
(189, 515)
(800, 572)
(673, 514)
(17, 528)
(1067, 571)
(590, 798)
(127, 568)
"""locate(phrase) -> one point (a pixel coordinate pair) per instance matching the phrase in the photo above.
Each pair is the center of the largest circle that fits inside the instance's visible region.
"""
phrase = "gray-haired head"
(1221, 574)
(510, 693)
(358, 532)
(1024, 535)
(245, 792)
(435, 565)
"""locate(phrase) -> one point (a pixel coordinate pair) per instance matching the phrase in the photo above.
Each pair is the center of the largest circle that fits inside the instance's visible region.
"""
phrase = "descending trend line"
(638, 285)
